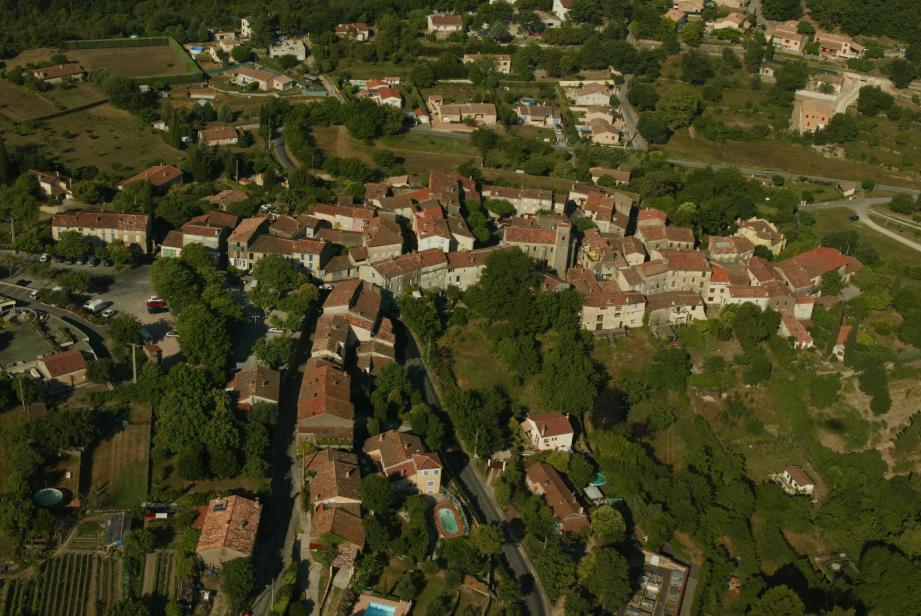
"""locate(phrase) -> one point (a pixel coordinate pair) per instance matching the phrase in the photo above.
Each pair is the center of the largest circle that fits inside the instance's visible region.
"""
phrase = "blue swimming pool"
(448, 520)
(376, 609)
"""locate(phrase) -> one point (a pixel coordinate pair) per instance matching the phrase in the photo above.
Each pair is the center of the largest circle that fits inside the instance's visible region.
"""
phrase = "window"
(435, 472)
(429, 483)
(426, 473)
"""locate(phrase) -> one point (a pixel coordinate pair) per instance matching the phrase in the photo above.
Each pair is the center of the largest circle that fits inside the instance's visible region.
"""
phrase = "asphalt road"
(861, 207)
(281, 152)
(536, 600)
(694, 164)
(630, 117)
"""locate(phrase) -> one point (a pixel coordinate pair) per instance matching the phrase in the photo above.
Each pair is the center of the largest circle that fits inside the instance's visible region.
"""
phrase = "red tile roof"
(261, 382)
(158, 175)
(101, 220)
(64, 363)
(231, 522)
(338, 522)
(246, 229)
(799, 475)
(802, 269)
(218, 133)
(552, 424)
(543, 478)
(325, 390)
(404, 264)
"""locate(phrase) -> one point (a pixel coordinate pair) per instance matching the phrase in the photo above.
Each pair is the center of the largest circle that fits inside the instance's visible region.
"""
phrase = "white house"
(561, 8)
(795, 481)
(549, 432)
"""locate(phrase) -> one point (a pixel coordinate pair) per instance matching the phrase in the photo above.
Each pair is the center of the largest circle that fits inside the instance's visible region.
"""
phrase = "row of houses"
(786, 37)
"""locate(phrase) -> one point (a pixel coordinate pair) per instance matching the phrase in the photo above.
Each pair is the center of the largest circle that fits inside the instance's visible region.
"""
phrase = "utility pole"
(22, 397)
(134, 363)
(13, 232)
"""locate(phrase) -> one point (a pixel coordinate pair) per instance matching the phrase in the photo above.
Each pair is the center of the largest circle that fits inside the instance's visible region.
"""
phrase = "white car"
(44, 257)
(35, 374)
(33, 294)
(108, 313)
(276, 330)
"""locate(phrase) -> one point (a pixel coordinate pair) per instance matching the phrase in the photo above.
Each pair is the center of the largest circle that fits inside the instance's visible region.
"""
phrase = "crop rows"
(62, 588)
(166, 581)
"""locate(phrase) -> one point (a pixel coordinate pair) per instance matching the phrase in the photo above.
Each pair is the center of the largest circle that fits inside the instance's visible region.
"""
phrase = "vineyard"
(67, 585)
(160, 575)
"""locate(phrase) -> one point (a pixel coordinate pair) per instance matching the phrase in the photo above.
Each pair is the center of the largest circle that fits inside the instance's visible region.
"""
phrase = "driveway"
(631, 119)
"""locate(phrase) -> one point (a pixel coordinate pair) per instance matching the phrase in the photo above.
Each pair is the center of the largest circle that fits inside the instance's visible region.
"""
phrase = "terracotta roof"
(799, 475)
(551, 424)
(446, 20)
(802, 269)
(559, 497)
(762, 229)
(761, 270)
(58, 70)
(386, 92)
(225, 220)
(356, 26)
(261, 382)
(729, 245)
(158, 175)
(650, 214)
(404, 264)
(101, 220)
(843, 332)
(382, 232)
(795, 328)
(64, 363)
(341, 294)
(718, 274)
(671, 299)
(245, 230)
(427, 226)
(173, 239)
(515, 194)
(393, 449)
(325, 390)
(746, 291)
(335, 475)
(339, 522)
(231, 522)
(686, 260)
(217, 133)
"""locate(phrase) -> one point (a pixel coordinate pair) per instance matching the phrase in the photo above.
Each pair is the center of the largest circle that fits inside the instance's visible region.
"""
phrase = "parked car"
(96, 305)
(108, 313)
(33, 294)
(44, 257)
(92, 262)
(172, 334)
(276, 330)
(80, 261)
(35, 374)
(146, 336)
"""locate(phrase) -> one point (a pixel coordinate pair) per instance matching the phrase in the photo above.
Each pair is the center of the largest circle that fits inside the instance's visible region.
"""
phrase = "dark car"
(854, 218)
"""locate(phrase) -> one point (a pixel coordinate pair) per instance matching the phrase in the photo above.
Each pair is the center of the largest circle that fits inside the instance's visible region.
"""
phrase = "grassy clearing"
(774, 155)
(474, 362)
(19, 104)
(889, 249)
(103, 136)
(120, 464)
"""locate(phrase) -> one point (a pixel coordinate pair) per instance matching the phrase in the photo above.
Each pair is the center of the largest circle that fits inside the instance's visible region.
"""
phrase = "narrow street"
(536, 600)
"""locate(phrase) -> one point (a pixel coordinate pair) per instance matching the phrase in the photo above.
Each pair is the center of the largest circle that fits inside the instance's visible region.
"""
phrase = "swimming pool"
(448, 520)
(376, 609)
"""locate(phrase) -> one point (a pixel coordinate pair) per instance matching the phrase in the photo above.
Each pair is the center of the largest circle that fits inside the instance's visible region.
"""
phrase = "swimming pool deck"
(460, 532)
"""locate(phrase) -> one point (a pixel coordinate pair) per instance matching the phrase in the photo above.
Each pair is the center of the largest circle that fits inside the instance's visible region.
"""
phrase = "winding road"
(861, 207)
(536, 600)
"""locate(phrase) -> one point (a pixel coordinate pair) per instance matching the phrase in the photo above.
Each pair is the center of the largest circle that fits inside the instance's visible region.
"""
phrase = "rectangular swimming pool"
(376, 609)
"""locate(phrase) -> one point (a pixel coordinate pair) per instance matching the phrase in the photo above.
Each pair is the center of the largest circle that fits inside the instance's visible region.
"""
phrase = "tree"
(782, 10)
(71, 244)
(4, 163)
(274, 351)
(127, 607)
(643, 95)
(607, 577)
(238, 579)
(487, 540)
(679, 105)
(901, 72)
(608, 524)
(580, 470)
(693, 33)
(832, 283)
(275, 277)
(653, 126)
(125, 330)
(376, 494)
(99, 371)
(872, 100)
(778, 601)
(242, 53)
(204, 338)
(696, 67)
(225, 113)
(874, 383)
(222, 439)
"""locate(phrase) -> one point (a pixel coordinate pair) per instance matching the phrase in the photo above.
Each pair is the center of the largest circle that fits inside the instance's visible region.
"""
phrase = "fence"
(193, 71)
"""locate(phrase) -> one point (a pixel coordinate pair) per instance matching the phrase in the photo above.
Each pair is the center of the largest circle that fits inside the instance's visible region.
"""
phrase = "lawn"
(19, 104)
(78, 95)
(474, 362)
(120, 465)
(434, 588)
(889, 249)
(149, 61)
(105, 137)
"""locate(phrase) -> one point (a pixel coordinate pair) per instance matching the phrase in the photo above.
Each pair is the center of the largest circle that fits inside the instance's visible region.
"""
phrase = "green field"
(120, 466)
(103, 136)
(67, 585)
(18, 104)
